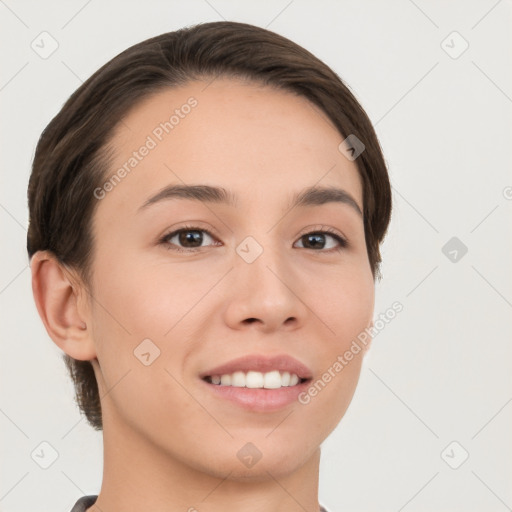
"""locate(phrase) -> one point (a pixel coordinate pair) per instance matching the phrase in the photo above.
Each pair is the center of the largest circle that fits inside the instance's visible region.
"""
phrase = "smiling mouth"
(256, 380)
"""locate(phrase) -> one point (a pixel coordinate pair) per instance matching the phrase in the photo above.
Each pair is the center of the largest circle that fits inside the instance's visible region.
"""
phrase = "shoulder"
(85, 502)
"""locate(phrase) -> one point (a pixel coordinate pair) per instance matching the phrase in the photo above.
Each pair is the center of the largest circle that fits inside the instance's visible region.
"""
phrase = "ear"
(59, 298)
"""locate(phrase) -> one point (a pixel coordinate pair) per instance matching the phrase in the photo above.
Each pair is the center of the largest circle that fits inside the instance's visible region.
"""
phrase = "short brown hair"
(71, 158)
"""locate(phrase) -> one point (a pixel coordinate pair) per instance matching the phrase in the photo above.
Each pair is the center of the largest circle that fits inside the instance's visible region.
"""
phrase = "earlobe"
(57, 301)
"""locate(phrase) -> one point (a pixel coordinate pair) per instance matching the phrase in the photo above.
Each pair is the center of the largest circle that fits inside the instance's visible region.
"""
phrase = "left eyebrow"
(311, 196)
(314, 196)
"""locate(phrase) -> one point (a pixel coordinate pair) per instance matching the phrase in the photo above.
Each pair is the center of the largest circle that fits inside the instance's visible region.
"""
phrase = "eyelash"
(343, 243)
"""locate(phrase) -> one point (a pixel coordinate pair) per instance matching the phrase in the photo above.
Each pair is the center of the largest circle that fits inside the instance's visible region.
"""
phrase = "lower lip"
(259, 400)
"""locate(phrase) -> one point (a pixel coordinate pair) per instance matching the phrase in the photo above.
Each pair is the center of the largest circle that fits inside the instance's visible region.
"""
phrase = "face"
(182, 285)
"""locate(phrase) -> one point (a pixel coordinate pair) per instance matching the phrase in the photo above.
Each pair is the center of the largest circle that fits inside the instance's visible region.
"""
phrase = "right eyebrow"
(203, 193)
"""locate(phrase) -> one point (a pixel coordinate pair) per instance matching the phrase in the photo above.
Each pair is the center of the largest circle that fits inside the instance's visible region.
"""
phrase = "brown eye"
(317, 240)
(191, 239)
(187, 239)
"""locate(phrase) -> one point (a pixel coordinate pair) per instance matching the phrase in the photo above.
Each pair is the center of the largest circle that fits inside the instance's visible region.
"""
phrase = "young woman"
(206, 212)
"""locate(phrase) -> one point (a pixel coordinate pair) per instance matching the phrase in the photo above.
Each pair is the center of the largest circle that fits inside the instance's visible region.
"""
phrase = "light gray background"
(440, 371)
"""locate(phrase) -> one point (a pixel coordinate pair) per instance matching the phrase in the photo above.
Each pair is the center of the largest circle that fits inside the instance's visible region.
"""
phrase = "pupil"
(318, 238)
(191, 236)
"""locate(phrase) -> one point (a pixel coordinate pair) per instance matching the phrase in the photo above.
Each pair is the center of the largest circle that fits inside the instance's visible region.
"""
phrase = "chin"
(258, 461)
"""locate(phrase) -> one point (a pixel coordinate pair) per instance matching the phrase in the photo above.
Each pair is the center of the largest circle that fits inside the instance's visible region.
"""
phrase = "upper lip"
(263, 364)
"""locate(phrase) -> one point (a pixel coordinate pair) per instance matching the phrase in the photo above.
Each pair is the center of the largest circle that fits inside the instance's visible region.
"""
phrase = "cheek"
(324, 403)
(151, 401)
(144, 316)
(140, 366)
(148, 300)
(345, 305)
(344, 301)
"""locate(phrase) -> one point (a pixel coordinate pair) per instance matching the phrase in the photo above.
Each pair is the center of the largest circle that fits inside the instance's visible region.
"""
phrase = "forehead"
(259, 142)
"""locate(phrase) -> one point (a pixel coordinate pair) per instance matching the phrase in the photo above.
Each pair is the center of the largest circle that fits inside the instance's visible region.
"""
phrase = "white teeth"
(225, 380)
(256, 380)
(238, 380)
(272, 380)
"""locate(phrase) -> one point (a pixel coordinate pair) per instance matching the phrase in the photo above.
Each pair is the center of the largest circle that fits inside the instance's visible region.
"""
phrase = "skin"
(169, 444)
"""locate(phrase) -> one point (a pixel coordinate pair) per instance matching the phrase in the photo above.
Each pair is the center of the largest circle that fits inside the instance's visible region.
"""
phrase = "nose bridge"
(261, 261)
(263, 286)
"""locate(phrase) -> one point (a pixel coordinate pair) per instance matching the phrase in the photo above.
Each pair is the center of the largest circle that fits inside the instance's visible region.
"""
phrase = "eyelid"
(321, 227)
(192, 226)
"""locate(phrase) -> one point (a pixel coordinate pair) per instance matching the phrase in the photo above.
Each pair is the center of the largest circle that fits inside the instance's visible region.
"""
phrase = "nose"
(265, 294)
